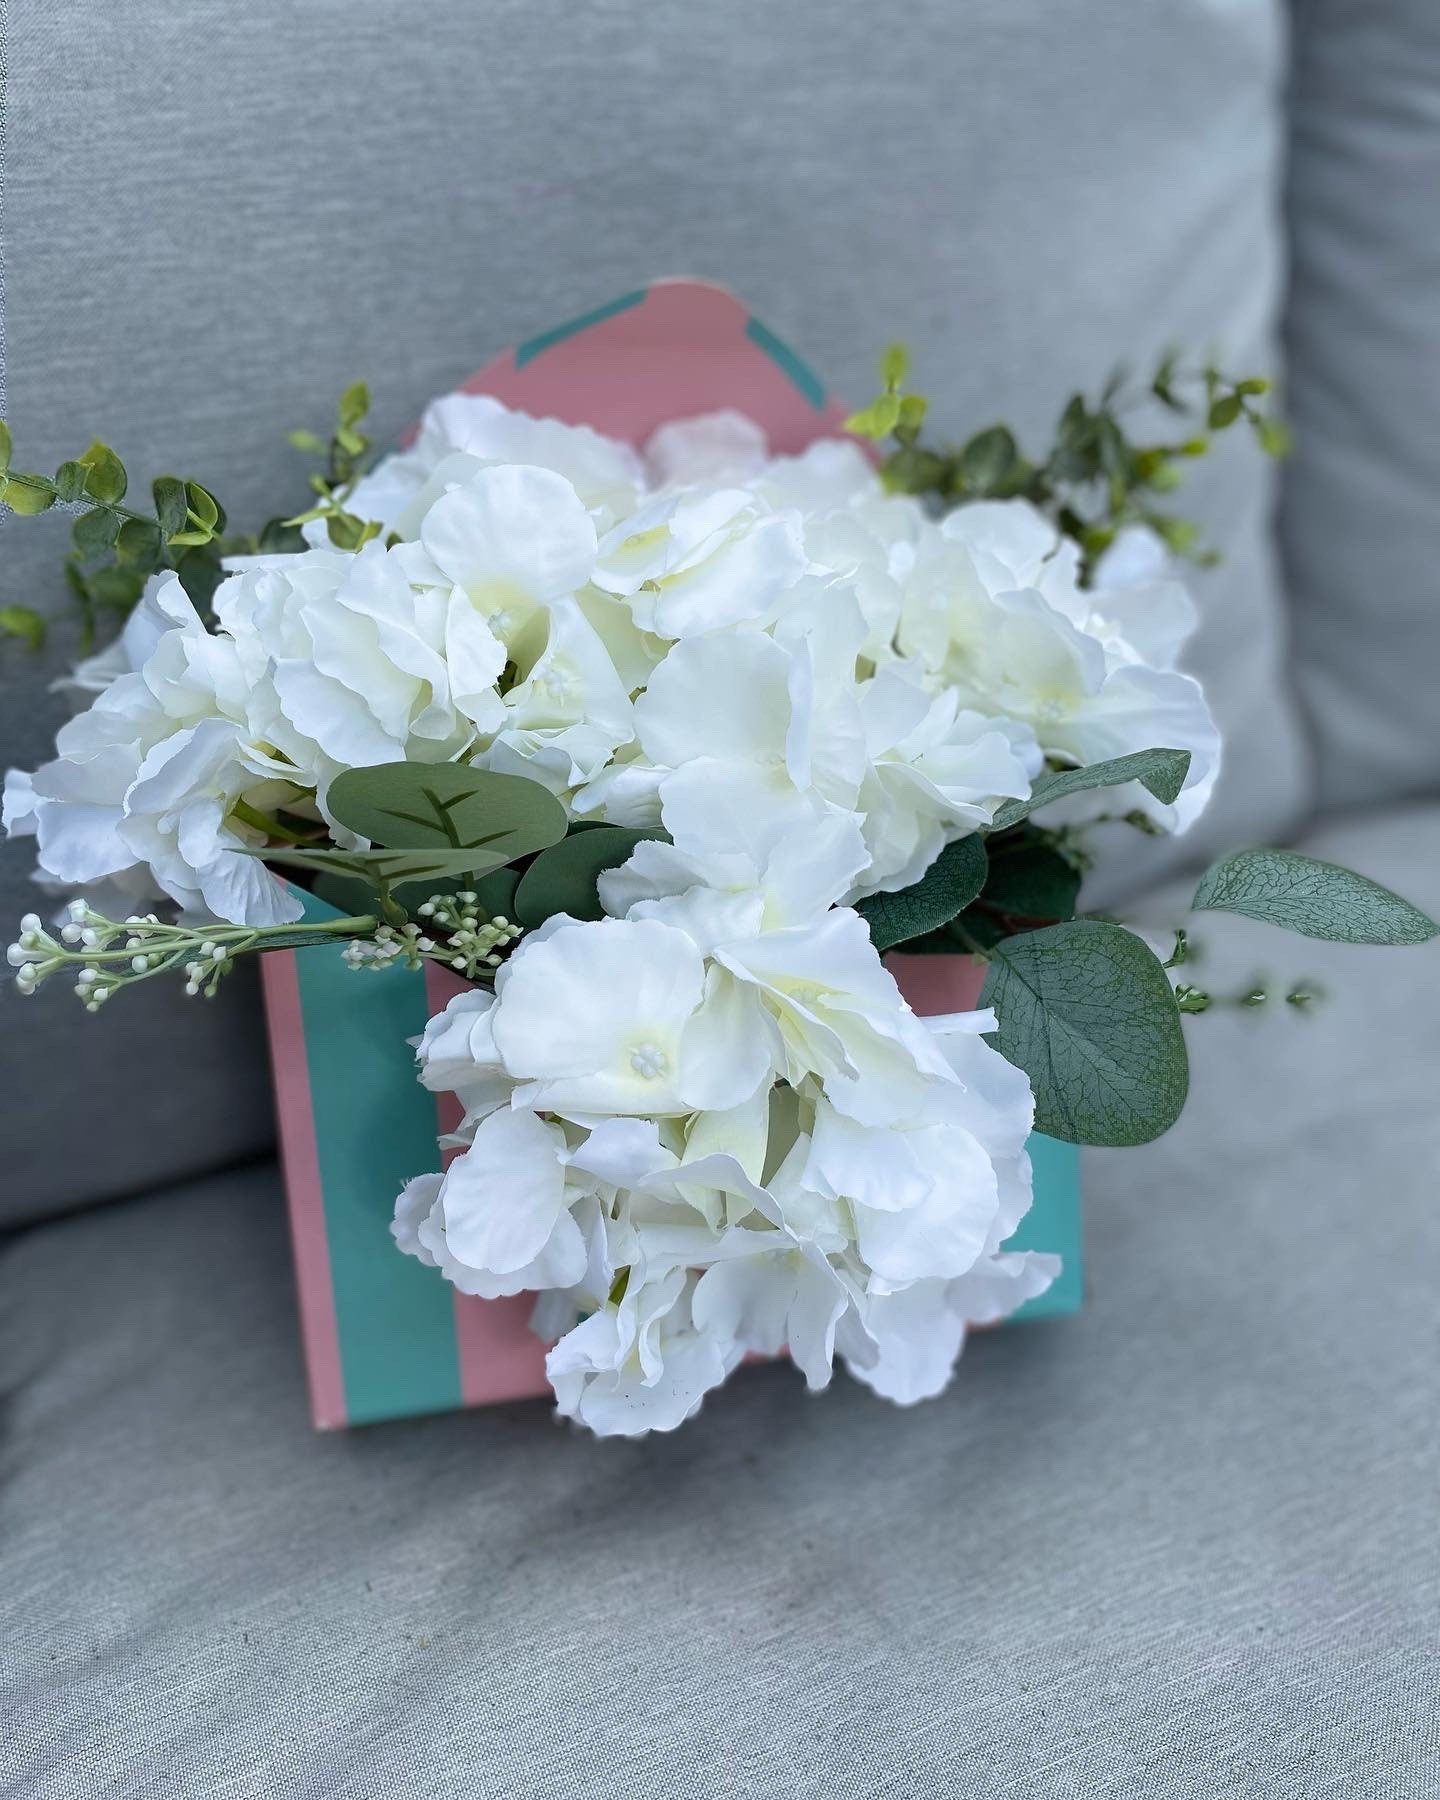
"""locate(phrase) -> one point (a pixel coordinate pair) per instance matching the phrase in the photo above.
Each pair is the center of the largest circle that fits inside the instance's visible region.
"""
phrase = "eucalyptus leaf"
(1086, 1010)
(105, 479)
(27, 493)
(945, 889)
(70, 480)
(94, 533)
(1317, 899)
(1032, 882)
(376, 868)
(418, 806)
(1161, 772)
(564, 878)
(168, 492)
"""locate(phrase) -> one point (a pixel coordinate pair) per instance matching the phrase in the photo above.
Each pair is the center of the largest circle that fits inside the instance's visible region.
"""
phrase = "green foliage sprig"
(1096, 477)
(115, 548)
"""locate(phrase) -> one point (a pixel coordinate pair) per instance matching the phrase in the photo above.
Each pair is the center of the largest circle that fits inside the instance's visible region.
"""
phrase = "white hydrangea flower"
(757, 1144)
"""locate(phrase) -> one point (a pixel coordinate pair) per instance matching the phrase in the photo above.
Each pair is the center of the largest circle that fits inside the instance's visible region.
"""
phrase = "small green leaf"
(306, 441)
(94, 533)
(6, 446)
(945, 889)
(376, 868)
(170, 509)
(345, 531)
(1161, 772)
(27, 493)
(277, 539)
(415, 806)
(200, 574)
(139, 542)
(563, 878)
(877, 420)
(1086, 1011)
(22, 622)
(202, 508)
(354, 404)
(70, 480)
(1317, 899)
(1224, 411)
(105, 478)
(987, 458)
(894, 366)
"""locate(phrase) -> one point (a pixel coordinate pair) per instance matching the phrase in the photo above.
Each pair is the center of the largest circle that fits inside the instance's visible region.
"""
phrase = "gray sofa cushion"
(1181, 1545)
(218, 215)
(1361, 520)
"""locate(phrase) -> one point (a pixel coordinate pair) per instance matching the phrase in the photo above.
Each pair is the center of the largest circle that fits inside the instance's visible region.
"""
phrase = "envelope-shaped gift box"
(384, 1336)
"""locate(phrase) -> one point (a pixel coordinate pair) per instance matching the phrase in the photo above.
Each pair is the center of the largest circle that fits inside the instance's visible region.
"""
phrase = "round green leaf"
(1317, 899)
(1087, 1012)
(564, 878)
(449, 806)
(946, 888)
(105, 474)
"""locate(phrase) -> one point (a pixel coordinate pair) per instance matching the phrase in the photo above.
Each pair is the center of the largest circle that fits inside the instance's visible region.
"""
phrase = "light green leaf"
(202, 509)
(1086, 1011)
(1162, 772)
(22, 622)
(27, 493)
(6, 446)
(894, 365)
(105, 478)
(354, 404)
(1317, 899)
(416, 806)
(946, 888)
(563, 878)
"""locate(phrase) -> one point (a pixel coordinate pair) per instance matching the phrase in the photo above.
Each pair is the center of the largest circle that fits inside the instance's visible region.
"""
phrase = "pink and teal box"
(384, 1336)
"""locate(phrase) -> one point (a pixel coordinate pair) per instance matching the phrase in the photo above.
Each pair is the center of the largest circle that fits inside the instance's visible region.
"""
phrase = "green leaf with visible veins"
(1087, 1012)
(1162, 772)
(1317, 899)
(946, 888)
(376, 868)
(417, 806)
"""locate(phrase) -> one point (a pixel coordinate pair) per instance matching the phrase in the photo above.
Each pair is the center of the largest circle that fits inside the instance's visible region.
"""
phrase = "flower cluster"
(650, 638)
(704, 1125)
(709, 1126)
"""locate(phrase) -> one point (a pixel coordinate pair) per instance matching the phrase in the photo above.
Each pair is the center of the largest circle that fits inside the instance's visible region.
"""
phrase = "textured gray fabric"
(1183, 1545)
(1361, 520)
(216, 215)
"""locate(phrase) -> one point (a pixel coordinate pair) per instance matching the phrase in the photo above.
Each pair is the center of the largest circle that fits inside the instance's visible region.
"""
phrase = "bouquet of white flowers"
(661, 749)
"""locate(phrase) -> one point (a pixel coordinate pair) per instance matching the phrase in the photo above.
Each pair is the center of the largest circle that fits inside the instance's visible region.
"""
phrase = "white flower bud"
(31, 923)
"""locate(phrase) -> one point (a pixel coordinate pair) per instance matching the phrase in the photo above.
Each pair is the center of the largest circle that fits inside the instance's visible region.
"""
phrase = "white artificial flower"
(993, 608)
(694, 560)
(511, 540)
(568, 713)
(722, 448)
(462, 433)
(622, 1016)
